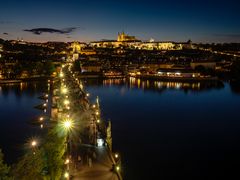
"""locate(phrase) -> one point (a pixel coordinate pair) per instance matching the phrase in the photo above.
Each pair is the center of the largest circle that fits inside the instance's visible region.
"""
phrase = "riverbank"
(151, 77)
(19, 80)
(176, 79)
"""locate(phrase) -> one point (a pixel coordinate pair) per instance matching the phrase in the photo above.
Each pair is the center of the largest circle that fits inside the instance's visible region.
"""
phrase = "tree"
(49, 67)
(30, 166)
(235, 70)
(4, 169)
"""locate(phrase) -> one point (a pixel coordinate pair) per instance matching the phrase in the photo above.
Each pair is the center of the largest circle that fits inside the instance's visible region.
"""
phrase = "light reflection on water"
(160, 85)
(17, 101)
(171, 130)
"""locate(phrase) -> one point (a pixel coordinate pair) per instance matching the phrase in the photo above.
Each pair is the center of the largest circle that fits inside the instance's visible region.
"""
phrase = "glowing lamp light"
(34, 143)
(98, 121)
(118, 168)
(116, 155)
(64, 90)
(67, 161)
(61, 75)
(66, 102)
(41, 118)
(100, 142)
(67, 124)
(66, 175)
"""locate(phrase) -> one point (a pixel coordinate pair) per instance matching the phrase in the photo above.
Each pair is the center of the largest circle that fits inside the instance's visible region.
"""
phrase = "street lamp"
(61, 74)
(116, 155)
(64, 90)
(66, 102)
(67, 124)
(34, 143)
(66, 175)
(67, 161)
(118, 168)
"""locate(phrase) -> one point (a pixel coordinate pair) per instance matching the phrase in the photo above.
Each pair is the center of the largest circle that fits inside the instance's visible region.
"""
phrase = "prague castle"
(122, 37)
(124, 40)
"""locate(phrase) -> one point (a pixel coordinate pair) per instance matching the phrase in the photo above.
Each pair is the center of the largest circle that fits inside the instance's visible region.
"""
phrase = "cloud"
(5, 33)
(39, 31)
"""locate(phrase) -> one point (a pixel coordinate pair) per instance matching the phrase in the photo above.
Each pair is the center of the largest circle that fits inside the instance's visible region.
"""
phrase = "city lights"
(61, 75)
(64, 90)
(66, 102)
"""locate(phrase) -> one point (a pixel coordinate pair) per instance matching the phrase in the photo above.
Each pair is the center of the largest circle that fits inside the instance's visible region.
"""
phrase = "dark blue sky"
(176, 20)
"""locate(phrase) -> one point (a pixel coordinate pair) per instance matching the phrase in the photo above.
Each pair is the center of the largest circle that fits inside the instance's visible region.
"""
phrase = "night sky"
(87, 20)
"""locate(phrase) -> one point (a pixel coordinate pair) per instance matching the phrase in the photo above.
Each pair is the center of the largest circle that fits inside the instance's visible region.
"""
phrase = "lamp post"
(67, 125)
(33, 145)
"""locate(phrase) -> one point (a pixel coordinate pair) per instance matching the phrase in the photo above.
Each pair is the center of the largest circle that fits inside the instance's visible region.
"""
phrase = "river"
(171, 130)
(17, 103)
(162, 130)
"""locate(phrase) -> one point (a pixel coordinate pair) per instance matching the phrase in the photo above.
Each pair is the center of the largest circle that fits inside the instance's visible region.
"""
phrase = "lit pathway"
(100, 170)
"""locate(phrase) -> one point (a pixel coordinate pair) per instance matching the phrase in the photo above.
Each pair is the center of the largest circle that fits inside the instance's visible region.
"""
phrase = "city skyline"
(200, 21)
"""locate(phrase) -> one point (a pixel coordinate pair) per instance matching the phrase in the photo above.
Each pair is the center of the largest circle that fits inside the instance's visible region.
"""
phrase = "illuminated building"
(77, 46)
(122, 40)
(131, 42)
(122, 37)
(80, 49)
(185, 73)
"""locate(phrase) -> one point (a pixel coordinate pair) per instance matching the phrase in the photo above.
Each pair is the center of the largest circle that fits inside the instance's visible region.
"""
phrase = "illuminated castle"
(124, 37)
(133, 43)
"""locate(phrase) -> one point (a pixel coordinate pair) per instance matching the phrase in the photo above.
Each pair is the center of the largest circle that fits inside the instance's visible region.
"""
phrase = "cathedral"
(124, 37)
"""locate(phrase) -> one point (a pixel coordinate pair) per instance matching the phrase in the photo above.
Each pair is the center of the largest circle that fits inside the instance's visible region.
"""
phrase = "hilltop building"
(122, 37)
(125, 40)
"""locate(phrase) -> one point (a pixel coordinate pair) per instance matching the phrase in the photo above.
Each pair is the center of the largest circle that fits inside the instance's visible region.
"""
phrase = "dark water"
(167, 130)
(17, 103)
(163, 130)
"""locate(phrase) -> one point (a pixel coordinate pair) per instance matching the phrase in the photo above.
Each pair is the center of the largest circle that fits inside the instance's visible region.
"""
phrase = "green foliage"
(47, 163)
(54, 152)
(49, 67)
(30, 166)
(4, 169)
